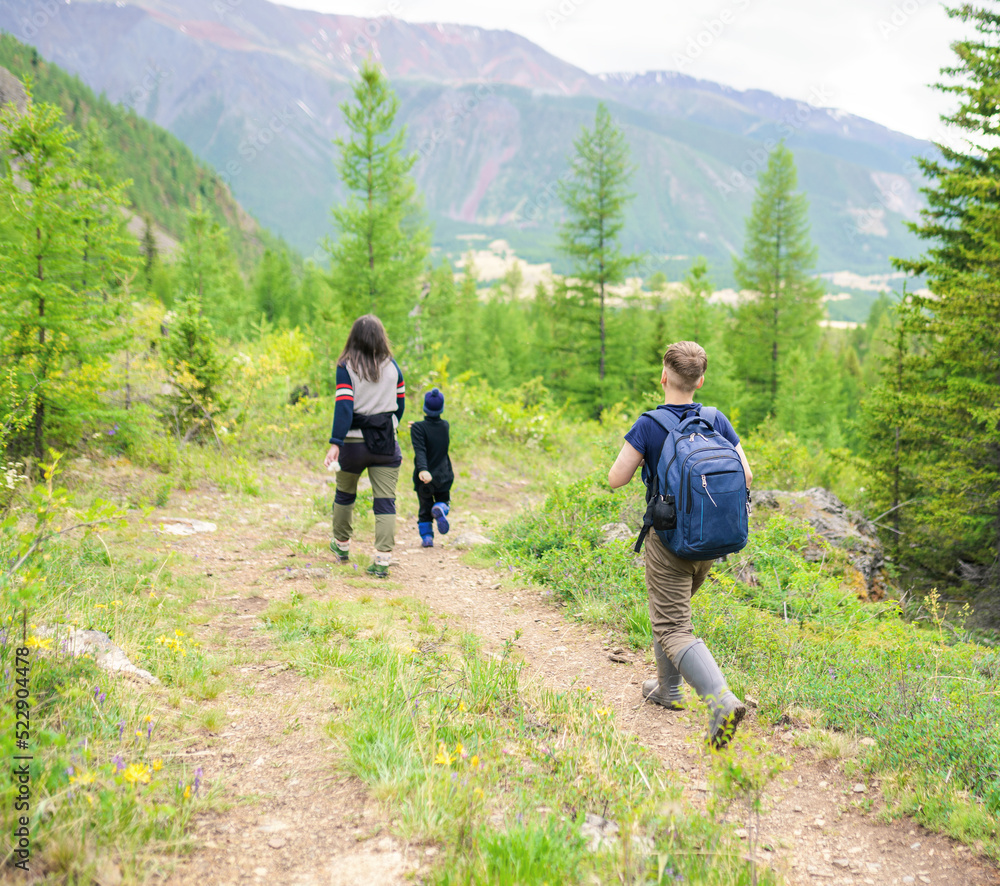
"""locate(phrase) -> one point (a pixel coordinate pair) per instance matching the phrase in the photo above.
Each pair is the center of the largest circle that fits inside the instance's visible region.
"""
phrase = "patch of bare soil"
(295, 818)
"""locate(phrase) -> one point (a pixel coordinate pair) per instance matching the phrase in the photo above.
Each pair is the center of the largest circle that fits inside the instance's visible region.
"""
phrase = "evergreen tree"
(274, 286)
(195, 371)
(692, 317)
(962, 267)
(595, 196)
(61, 262)
(895, 434)
(206, 269)
(467, 345)
(783, 308)
(382, 241)
(149, 251)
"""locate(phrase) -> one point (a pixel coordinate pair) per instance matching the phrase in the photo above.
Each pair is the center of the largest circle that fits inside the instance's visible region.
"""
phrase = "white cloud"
(875, 57)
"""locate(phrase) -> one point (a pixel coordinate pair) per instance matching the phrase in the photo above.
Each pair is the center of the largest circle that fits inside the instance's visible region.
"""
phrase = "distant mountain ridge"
(254, 88)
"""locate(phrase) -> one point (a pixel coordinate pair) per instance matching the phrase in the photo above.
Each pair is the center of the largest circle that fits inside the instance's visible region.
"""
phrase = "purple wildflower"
(197, 779)
(70, 771)
(121, 729)
(149, 730)
(119, 762)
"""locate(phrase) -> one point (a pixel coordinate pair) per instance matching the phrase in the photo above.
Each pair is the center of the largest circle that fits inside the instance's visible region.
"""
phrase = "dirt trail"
(296, 820)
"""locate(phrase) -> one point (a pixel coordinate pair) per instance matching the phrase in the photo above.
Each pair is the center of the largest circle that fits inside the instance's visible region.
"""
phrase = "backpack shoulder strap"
(665, 419)
(709, 413)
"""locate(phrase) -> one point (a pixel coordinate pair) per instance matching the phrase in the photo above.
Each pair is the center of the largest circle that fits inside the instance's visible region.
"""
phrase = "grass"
(927, 697)
(102, 773)
(501, 774)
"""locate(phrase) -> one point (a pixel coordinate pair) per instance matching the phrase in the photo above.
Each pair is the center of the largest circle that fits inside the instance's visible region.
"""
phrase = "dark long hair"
(367, 348)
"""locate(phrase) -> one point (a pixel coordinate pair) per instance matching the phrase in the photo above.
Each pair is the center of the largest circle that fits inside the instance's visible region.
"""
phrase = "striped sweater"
(355, 394)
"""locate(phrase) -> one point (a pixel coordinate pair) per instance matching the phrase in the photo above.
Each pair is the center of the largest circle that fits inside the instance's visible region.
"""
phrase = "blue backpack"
(697, 499)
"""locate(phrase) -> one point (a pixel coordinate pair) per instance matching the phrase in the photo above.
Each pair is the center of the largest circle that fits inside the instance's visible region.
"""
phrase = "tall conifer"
(595, 196)
(962, 267)
(381, 242)
(782, 308)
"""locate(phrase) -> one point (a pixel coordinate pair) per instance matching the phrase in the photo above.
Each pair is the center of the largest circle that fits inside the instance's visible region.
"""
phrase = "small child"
(432, 473)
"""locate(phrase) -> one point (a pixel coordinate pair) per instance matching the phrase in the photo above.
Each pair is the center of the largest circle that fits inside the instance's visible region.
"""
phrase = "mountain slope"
(253, 88)
(167, 179)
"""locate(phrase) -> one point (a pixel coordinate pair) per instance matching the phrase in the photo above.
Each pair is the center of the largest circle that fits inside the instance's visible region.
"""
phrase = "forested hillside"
(167, 180)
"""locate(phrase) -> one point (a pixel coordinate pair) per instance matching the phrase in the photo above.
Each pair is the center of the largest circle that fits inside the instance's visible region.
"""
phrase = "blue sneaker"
(427, 541)
(440, 512)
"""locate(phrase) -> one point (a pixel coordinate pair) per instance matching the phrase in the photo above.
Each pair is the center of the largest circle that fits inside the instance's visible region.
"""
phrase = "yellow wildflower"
(157, 765)
(478, 792)
(187, 792)
(459, 748)
(82, 778)
(461, 705)
(100, 606)
(179, 633)
(474, 762)
(603, 712)
(116, 602)
(161, 639)
(90, 799)
(443, 758)
(34, 642)
(136, 772)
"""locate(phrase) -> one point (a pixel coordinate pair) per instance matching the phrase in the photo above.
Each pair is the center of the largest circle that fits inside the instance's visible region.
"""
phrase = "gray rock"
(12, 90)
(618, 532)
(598, 831)
(833, 521)
(184, 526)
(107, 655)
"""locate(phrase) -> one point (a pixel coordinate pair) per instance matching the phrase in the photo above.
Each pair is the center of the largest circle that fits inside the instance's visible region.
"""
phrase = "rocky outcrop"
(74, 641)
(11, 90)
(833, 521)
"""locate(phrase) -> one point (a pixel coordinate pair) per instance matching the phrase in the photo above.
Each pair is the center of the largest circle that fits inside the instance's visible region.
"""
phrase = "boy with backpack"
(432, 473)
(698, 506)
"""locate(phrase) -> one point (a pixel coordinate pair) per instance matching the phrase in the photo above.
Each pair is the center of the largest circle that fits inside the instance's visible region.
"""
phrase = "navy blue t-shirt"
(647, 436)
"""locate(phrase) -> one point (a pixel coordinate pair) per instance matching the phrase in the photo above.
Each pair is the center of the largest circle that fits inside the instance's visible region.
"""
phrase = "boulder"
(618, 532)
(98, 644)
(184, 526)
(832, 520)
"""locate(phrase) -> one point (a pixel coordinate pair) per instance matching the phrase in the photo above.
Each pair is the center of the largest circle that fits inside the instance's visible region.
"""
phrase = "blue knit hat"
(433, 402)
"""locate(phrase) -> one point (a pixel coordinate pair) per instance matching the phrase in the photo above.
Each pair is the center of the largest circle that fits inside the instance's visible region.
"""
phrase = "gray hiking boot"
(698, 667)
(665, 688)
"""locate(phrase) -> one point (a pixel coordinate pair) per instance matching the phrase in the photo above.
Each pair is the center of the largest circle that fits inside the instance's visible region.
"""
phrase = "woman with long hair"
(367, 411)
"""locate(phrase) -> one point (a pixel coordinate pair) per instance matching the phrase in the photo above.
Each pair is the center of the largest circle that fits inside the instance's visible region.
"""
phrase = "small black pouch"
(664, 513)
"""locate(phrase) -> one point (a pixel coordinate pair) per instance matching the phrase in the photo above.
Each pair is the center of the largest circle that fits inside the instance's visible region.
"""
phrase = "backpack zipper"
(704, 485)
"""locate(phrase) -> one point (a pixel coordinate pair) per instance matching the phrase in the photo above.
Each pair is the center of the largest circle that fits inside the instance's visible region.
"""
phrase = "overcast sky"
(874, 58)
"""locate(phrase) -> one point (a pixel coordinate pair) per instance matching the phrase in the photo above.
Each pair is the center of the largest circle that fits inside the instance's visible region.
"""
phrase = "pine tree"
(962, 269)
(595, 196)
(274, 286)
(382, 240)
(195, 371)
(61, 262)
(895, 438)
(783, 307)
(149, 251)
(467, 344)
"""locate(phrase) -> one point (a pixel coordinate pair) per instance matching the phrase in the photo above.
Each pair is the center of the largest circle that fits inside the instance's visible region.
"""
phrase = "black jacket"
(430, 451)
